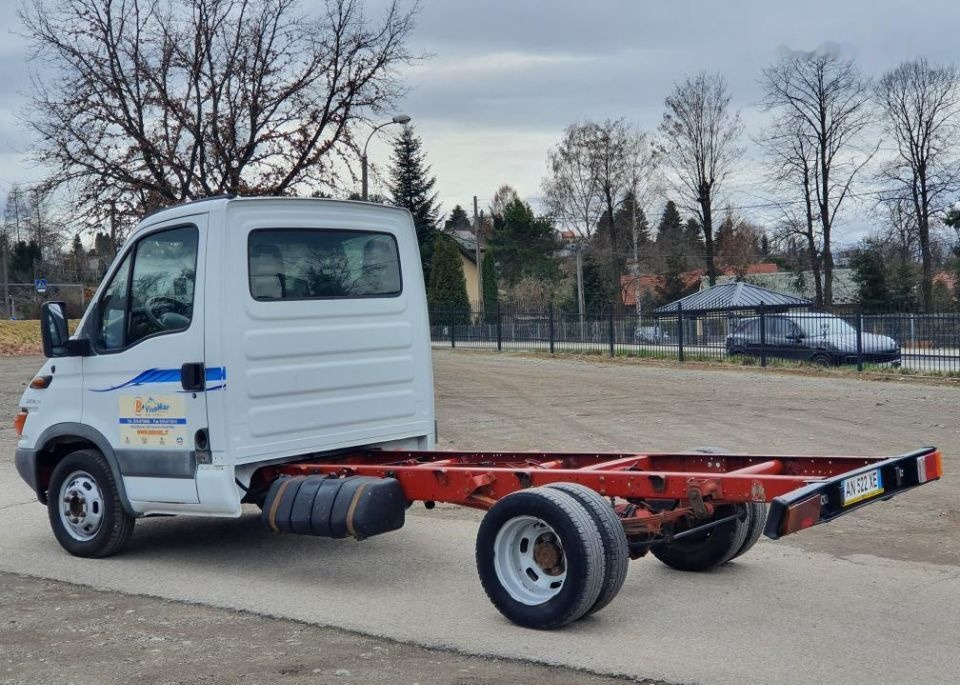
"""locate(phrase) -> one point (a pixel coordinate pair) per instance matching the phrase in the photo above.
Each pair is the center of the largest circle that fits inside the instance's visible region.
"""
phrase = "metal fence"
(914, 343)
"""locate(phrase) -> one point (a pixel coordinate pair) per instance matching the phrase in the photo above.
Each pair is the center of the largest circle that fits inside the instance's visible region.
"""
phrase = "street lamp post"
(398, 119)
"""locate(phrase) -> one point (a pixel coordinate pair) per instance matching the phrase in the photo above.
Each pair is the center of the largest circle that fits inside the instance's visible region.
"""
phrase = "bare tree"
(794, 168)
(15, 213)
(595, 168)
(571, 189)
(920, 104)
(149, 102)
(505, 194)
(823, 99)
(698, 141)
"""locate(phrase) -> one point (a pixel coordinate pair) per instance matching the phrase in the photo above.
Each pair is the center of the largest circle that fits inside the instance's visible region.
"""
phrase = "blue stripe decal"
(151, 376)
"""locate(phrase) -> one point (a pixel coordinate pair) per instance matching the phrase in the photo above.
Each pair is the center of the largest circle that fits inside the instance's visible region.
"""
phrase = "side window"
(161, 290)
(157, 297)
(750, 328)
(113, 309)
(776, 327)
(314, 264)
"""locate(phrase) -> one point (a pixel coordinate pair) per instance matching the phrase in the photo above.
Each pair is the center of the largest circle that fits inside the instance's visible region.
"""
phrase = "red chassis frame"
(803, 490)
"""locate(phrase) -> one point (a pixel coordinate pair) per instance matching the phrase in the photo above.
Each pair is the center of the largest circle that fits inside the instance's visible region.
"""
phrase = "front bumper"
(26, 461)
(872, 357)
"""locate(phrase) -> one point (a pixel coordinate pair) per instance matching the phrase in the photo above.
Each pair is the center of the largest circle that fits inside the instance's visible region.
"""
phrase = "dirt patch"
(61, 633)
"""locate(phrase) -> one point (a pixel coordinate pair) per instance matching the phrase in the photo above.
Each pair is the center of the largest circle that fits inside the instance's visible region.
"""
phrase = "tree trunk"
(827, 271)
(705, 210)
(614, 261)
(923, 229)
(812, 242)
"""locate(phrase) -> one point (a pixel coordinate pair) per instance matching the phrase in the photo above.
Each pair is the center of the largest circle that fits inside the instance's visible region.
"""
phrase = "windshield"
(825, 325)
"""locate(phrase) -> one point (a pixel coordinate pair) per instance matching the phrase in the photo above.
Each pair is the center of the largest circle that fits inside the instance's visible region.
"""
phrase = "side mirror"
(53, 329)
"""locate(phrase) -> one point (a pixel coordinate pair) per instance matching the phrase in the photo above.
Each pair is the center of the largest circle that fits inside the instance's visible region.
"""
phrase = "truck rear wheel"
(709, 549)
(756, 519)
(83, 503)
(616, 553)
(540, 558)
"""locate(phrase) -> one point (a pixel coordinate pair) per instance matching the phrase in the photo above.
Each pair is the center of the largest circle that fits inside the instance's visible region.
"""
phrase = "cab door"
(143, 386)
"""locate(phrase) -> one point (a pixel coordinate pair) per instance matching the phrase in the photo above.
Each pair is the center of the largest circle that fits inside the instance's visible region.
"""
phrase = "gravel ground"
(60, 633)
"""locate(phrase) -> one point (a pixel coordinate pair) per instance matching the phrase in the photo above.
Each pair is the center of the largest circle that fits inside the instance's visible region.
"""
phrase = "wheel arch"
(59, 440)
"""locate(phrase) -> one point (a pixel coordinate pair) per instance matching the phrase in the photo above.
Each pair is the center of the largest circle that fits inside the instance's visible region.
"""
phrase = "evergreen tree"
(672, 286)
(597, 294)
(411, 186)
(447, 295)
(457, 219)
(670, 228)
(23, 260)
(726, 234)
(952, 219)
(491, 291)
(870, 276)
(77, 255)
(904, 280)
(693, 238)
(522, 244)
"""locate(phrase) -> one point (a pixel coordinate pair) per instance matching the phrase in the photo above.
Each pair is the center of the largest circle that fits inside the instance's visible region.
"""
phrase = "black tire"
(709, 549)
(616, 552)
(756, 519)
(112, 532)
(756, 512)
(582, 557)
(822, 359)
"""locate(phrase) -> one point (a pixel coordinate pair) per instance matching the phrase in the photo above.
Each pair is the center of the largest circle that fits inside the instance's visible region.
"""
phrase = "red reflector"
(803, 514)
(929, 467)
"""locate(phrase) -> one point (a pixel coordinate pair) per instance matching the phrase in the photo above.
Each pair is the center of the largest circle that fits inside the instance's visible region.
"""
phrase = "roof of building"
(466, 242)
(739, 295)
(801, 284)
(629, 285)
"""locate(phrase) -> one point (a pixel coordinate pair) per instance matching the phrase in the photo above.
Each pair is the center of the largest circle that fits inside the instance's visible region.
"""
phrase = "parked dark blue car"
(819, 338)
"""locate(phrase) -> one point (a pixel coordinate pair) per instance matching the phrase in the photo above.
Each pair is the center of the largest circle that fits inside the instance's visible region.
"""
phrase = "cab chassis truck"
(276, 352)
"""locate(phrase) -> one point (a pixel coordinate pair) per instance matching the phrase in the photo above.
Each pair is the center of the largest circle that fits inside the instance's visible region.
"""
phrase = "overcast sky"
(507, 76)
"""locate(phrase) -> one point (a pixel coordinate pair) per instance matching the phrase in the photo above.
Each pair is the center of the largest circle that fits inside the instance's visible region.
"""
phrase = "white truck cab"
(229, 333)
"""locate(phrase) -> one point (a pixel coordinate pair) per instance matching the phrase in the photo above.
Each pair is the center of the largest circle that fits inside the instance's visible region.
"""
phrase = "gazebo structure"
(706, 317)
(733, 297)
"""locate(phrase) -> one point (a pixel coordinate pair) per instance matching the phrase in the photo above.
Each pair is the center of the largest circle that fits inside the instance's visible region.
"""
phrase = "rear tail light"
(18, 422)
(800, 515)
(929, 467)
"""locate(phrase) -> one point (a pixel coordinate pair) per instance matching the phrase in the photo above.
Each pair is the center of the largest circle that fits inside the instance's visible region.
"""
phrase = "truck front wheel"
(83, 502)
(540, 558)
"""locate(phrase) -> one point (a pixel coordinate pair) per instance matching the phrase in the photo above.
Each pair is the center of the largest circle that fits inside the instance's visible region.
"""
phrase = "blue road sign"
(41, 285)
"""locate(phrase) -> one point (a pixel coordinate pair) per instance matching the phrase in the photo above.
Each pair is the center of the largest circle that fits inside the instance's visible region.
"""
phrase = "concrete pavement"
(781, 615)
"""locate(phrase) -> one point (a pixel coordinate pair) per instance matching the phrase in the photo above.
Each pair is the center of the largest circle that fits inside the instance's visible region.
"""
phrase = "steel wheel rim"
(524, 546)
(81, 506)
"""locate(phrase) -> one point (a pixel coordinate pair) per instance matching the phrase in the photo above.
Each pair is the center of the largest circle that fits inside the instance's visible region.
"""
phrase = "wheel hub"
(81, 510)
(548, 555)
(529, 560)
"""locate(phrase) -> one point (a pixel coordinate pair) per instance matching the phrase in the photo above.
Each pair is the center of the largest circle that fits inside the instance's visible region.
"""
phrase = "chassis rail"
(655, 490)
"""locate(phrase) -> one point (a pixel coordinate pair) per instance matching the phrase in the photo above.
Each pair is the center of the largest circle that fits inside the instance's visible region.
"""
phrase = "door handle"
(193, 376)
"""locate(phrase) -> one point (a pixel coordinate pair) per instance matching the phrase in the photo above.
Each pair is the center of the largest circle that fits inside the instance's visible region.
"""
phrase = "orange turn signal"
(803, 514)
(41, 382)
(18, 422)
